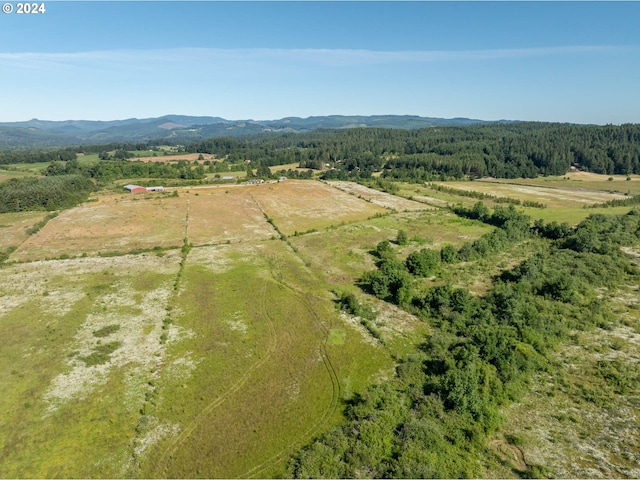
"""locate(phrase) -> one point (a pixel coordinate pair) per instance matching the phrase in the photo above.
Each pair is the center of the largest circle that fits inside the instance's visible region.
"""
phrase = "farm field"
(220, 214)
(266, 379)
(198, 336)
(14, 226)
(9, 174)
(206, 355)
(564, 204)
(298, 205)
(115, 223)
(551, 196)
(584, 181)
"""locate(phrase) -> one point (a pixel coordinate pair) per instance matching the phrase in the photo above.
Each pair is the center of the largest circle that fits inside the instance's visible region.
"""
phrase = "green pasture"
(9, 174)
(28, 168)
(342, 253)
(38, 168)
(146, 153)
(266, 378)
(88, 159)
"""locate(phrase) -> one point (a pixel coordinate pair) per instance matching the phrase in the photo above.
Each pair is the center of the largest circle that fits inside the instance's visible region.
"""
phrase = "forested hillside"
(504, 151)
(438, 153)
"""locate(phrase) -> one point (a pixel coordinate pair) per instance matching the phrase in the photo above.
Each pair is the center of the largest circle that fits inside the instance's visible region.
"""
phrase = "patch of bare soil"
(634, 253)
(509, 453)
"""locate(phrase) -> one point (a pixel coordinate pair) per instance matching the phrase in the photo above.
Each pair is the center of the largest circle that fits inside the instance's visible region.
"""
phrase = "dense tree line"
(36, 156)
(498, 150)
(523, 149)
(432, 419)
(45, 193)
(107, 171)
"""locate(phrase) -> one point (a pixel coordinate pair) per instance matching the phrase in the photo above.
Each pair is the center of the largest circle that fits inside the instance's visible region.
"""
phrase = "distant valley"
(182, 128)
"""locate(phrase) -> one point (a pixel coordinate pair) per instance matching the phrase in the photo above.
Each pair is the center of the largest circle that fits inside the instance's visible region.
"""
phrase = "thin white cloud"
(110, 59)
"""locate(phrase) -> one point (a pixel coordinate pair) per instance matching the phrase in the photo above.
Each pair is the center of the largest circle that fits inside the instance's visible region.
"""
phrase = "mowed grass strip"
(303, 205)
(116, 223)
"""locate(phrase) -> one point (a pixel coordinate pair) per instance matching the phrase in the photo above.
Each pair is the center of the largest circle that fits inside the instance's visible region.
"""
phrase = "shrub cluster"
(433, 417)
(46, 193)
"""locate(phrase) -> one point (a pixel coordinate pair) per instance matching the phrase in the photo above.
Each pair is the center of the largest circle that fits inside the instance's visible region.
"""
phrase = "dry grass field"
(585, 181)
(290, 166)
(299, 205)
(14, 226)
(114, 223)
(219, 214)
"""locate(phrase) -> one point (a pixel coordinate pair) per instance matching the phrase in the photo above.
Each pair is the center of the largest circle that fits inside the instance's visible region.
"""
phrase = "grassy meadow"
(198, 335)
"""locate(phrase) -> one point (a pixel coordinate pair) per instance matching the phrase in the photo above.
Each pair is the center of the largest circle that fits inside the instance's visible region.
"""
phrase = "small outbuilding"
(139, 189)
(135, 189)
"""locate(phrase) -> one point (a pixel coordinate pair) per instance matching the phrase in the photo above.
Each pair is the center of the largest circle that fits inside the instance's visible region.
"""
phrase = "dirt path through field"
(256, 471)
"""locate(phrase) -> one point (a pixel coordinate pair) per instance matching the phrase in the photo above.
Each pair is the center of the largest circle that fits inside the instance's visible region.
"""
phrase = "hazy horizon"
(575, 62)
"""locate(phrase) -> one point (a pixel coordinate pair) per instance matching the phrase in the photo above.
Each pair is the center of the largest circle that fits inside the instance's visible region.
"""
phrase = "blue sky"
(547, 61)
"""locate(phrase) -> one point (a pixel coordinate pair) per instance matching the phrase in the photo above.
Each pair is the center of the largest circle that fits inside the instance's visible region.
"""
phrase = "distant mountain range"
(182, 128)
